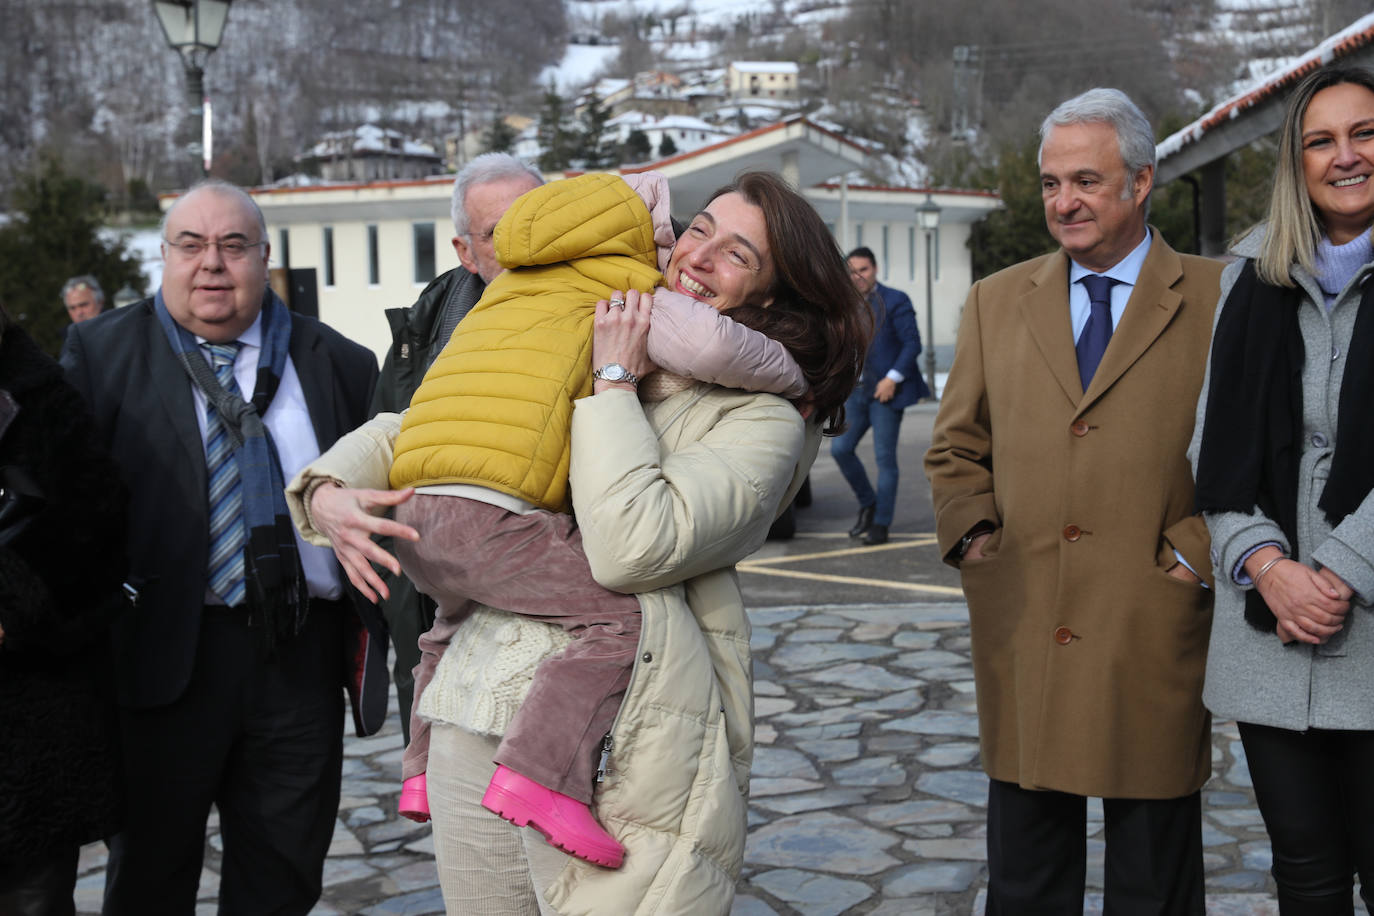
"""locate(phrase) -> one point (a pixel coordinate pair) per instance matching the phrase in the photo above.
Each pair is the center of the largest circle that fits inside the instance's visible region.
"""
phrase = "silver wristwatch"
(614, 372)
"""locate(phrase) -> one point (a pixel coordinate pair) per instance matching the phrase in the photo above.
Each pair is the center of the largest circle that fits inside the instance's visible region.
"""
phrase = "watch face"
(614, 372)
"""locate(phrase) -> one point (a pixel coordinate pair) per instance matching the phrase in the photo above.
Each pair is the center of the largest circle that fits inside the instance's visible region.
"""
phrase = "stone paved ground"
(867, 794)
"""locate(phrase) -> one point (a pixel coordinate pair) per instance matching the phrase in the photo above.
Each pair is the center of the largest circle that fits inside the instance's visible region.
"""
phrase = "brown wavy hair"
(816, 312)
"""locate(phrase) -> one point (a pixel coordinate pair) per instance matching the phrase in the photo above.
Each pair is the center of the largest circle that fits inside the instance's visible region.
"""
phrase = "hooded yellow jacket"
(495, 409)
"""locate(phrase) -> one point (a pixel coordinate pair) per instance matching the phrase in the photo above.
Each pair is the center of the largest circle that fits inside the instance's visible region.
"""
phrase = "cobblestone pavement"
(867, 794)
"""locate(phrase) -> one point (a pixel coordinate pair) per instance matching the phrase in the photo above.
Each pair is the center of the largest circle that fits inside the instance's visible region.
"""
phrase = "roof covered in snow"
(1265, 95)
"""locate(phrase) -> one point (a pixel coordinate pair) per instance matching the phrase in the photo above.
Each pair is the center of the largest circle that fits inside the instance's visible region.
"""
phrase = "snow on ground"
(146, 244)
(580, 65)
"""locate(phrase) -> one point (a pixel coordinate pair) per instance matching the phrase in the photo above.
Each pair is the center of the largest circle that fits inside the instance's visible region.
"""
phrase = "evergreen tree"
(54, 234)
(593, 150)
(556, 137)
(666, 147)
(1017, 231)
(499, 136)
(637, 147)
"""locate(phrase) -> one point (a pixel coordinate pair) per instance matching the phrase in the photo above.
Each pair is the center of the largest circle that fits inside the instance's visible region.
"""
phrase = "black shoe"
(785, 528)
(877, 534)
(865, 519)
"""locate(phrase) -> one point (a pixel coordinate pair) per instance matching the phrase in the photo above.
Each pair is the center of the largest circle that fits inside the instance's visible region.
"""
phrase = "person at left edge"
(227, 678)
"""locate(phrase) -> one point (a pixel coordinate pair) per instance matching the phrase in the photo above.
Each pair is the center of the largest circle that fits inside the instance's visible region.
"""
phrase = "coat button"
(1072, 533)
(647, 657)
(1318, 440)
(1079, 429)
(1063, 636)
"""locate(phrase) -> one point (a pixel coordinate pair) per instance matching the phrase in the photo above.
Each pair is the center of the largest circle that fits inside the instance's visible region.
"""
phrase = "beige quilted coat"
(690, 487)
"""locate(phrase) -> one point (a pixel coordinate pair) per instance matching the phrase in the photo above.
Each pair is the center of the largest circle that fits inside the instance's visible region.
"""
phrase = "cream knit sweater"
(482, 693)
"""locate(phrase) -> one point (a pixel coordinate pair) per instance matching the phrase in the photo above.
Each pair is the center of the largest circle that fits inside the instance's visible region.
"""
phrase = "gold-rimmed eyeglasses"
(232, 250)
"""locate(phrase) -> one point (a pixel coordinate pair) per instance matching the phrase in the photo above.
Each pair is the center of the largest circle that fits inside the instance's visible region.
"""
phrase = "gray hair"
(219, 186)
(485, 168)
(1134, 137)
(86, 280)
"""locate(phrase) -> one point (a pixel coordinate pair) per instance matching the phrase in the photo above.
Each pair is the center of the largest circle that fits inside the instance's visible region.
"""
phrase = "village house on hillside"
(771, 79)
(370, 153)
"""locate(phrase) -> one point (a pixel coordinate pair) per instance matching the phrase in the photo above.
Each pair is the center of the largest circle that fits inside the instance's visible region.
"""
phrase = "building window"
(886, 260)
(284, 252)
(911, 252)
(422, 241)
(374, 273)
(858, 234)
(328, 255)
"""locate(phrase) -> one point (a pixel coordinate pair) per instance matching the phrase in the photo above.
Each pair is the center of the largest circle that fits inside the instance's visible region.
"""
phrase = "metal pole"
(930, 313)
(195, 90)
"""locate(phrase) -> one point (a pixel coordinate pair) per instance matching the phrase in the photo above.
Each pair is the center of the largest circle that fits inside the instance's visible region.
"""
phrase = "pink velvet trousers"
(471, 552)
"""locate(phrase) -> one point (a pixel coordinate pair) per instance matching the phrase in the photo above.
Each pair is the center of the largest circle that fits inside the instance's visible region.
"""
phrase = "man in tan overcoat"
(1063, 493)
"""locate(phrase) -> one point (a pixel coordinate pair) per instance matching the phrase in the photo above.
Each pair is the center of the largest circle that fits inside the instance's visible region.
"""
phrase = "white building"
(776, 79)
(374, 246)
(884, 220)
(687, 133)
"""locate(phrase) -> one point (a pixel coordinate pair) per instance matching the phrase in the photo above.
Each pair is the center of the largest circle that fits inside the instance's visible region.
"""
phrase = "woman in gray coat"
(1284, 456)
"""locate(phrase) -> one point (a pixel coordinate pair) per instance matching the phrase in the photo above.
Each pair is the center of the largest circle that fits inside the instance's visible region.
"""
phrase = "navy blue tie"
(1092, 343)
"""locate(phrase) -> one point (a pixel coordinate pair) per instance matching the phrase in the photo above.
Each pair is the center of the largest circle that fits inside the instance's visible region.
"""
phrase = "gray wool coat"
(1252, 676)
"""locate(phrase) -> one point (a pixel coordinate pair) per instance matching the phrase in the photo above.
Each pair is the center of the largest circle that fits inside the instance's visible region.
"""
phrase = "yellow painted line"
(848, 551)
(852, 580)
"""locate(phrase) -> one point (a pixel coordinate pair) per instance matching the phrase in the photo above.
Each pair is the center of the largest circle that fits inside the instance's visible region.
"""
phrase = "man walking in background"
(890, 383)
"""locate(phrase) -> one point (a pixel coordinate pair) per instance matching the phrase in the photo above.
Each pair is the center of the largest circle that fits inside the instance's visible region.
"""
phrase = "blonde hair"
(1294, 225)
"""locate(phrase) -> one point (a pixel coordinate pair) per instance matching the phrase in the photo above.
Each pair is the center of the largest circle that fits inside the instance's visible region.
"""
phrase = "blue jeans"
(862, 410)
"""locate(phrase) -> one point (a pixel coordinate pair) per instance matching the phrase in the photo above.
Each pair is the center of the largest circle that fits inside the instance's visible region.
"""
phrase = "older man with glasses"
(228, 671)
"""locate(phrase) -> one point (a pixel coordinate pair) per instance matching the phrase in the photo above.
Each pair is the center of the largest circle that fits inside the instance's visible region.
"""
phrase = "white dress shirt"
(288, 420)
(1125, 272)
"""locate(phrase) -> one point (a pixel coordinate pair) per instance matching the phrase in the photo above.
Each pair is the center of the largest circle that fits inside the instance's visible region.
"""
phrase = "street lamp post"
(928, 214)
(193, 29)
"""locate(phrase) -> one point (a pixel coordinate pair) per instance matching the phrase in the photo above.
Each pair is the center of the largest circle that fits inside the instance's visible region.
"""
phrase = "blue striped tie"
(227, 535)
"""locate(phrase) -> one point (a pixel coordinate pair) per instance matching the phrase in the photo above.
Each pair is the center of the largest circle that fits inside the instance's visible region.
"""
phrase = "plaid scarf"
(276, 586)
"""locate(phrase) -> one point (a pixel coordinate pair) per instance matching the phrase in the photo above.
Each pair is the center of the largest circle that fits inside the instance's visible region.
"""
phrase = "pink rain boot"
(565, 822)
(414, 799)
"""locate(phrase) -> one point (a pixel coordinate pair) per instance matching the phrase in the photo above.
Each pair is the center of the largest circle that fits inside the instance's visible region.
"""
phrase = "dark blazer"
(145, 415)
(896, 344)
